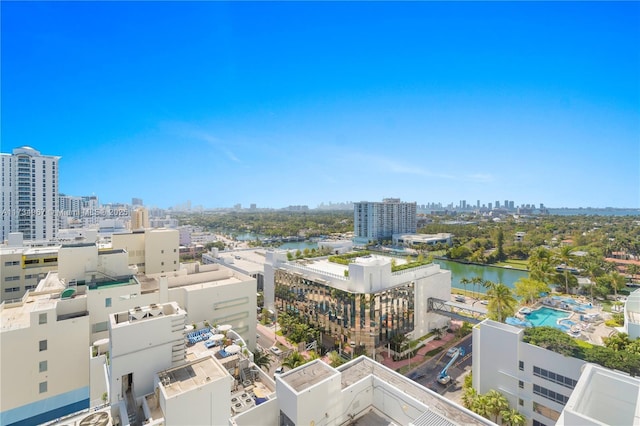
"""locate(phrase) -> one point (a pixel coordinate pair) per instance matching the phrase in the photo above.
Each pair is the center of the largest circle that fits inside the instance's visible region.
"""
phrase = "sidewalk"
(270, 332)
(419, 358)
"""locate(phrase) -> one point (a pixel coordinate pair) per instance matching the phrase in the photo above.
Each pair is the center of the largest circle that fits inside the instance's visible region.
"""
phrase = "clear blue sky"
(298, 103)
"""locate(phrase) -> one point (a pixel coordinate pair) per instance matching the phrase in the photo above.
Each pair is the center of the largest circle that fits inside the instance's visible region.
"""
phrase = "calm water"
(488, 273)
(599, 212)
(546, 316)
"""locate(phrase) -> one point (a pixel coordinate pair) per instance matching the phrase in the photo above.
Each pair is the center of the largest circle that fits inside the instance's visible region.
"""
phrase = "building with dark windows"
(362, 305)
(375, 221)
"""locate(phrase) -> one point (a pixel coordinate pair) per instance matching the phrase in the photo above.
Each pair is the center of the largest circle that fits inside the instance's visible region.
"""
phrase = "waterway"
(495, 274)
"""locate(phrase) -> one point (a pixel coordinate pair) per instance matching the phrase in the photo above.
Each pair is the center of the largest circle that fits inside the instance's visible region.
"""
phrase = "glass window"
(521, 365)
(42, 319)
(43, 345)
(43, 366)
(107, 302)
(43, 387)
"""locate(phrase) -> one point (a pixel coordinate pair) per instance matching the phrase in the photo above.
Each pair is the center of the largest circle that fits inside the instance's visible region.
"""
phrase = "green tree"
(564, 256)
(465, 282)
(513, 417)
(335, 359)
(295, 359)
(500, 245)
(502, 304)
(529, 289)
(261, 359)
(616, 281)
(540, 265)
(495, 403)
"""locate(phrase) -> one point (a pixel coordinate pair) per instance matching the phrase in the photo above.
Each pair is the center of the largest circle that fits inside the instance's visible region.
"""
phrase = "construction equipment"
(443, 377)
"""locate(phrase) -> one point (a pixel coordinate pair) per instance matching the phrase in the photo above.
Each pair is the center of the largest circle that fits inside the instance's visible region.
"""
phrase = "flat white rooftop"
(178, 380)
(308, 375)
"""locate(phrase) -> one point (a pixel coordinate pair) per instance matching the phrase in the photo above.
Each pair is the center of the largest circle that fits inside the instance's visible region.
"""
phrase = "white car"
(276, 350)
(460, 299)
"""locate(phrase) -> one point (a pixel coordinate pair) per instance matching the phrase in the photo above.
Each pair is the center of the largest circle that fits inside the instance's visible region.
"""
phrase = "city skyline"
(302, 103)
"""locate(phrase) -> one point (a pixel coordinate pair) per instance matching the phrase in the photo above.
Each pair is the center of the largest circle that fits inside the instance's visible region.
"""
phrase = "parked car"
(460, 299)
(484, 302)
(276, 350)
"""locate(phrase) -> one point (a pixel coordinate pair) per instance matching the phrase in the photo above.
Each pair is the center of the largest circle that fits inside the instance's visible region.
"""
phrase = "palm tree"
(564, 256)
(261, 359)
(479, 406)
(540, 266)
(465, 282)
(513, 417)
(617, 281)
(295, 359)
(476, 281)
(593, 270)
(501, 301)
(495, 403)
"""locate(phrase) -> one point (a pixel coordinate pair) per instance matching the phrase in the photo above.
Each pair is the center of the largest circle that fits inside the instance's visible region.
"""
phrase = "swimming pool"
(546, 317)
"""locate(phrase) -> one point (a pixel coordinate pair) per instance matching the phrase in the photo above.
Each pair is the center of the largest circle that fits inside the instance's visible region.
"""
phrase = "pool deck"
(589, 331)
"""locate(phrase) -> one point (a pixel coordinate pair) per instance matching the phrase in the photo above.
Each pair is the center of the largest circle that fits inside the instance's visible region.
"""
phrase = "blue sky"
(300, 103)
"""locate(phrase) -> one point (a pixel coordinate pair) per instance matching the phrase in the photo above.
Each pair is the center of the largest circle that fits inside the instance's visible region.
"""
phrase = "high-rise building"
(29, 194)
(380, 220)
(137, 202)
(139, 219)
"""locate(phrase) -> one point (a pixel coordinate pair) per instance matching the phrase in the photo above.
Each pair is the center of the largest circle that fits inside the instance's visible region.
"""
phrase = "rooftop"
(362, 367)
(185, 378)
(308, 375)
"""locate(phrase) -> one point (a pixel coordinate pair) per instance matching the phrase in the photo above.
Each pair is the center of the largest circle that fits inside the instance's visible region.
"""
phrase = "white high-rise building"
(29, 194)
(380, 220)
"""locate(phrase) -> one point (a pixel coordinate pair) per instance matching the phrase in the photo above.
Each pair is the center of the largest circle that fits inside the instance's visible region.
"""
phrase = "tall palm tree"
(476, 281)
(593, 270)
(501, 301)
(564, 256)
(294, 360)
(512, 417)
(261, 359)
(465, 282)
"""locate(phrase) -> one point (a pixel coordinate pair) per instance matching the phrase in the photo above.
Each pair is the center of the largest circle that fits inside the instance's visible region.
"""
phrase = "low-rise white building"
(416, 240)
(602, 397)
(359, 392)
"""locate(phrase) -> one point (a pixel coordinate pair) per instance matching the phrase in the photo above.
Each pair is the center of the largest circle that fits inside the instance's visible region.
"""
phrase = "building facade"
(362, 305)
(29, 194)
(536, 381)
(380, 220)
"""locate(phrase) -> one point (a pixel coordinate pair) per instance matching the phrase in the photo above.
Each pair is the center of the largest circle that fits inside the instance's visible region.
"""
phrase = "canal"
(488, 273)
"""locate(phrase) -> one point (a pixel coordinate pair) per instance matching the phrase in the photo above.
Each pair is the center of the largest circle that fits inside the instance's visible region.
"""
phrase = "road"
(428, 372)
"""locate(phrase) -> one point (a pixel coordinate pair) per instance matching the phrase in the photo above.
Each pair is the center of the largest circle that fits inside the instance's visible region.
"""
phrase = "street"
(427, 374)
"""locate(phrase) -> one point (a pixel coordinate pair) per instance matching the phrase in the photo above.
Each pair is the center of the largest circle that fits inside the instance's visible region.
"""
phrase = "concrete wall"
(142, 347)
(206, 405)
(161, 250)
(134, 245)
(77, 262)
(267, 414)
(66, 375)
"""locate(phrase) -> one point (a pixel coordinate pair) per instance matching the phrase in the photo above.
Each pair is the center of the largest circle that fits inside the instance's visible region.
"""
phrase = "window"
(107, 302)
(43, 387)
(521, 402)
(13, 278)
(550, 395)
(521, 384)
(162, 263)
(521, 365)
(43, 345)
(567, 382)
(12, 263)
(161, 251)
(42, 319)
(43, 366)
(99, 327)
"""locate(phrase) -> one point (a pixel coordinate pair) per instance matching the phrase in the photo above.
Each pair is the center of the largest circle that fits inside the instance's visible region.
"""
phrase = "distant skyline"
(292, 103)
